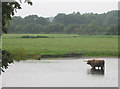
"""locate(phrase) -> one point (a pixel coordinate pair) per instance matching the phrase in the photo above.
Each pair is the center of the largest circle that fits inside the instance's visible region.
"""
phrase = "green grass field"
(61, 44)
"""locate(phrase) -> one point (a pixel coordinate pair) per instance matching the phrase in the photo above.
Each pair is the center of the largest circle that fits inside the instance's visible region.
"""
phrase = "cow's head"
(88, 62)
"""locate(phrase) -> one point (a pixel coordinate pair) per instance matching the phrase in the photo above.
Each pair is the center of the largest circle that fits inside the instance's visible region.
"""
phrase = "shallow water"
(60, 73)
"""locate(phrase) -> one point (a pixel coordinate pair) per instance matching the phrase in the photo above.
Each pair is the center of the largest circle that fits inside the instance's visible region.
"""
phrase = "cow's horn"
(84, 60)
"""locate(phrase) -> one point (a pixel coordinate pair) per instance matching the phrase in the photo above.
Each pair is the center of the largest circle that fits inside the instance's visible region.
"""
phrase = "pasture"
(61, 45)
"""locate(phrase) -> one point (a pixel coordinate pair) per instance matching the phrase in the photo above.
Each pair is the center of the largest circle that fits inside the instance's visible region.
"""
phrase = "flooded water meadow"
(63, 72)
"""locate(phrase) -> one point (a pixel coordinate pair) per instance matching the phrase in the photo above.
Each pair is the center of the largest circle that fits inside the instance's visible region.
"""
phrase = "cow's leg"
(102, 68)
(93, 67)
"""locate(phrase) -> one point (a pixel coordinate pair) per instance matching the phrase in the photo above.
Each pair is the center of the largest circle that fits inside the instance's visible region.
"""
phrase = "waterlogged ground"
(60, 73)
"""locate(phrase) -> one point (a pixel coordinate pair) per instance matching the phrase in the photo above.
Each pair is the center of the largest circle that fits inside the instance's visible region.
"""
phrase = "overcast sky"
(49, 9)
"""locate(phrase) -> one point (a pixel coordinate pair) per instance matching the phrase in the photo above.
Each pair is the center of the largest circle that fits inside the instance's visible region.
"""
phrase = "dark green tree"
(84, 24)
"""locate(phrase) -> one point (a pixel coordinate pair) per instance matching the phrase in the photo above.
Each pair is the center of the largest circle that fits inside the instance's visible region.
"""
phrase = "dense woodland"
(74, 23)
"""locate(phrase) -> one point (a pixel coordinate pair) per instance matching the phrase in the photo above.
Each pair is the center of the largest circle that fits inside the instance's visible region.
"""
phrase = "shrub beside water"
(37, 57)
(19, 54)
(6, 59)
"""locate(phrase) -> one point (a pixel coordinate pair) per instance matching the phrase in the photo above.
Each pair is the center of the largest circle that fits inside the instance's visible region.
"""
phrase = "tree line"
(74, 23)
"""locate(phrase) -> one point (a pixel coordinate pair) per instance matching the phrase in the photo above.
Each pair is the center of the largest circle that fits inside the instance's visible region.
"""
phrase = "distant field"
(62, 44)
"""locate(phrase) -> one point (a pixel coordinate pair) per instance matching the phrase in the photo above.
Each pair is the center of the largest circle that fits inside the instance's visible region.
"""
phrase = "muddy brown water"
(60, 73)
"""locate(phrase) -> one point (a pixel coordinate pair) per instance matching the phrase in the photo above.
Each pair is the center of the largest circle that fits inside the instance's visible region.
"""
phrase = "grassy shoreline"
(60, 45)
(66, 56)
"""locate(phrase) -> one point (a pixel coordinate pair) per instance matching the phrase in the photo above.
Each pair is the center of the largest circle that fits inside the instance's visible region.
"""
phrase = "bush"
(37, 57)
(34, 37)
(7, 58)
(19, 54)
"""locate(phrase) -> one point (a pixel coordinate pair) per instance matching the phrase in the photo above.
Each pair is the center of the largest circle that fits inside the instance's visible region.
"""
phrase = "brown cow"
(96, 63)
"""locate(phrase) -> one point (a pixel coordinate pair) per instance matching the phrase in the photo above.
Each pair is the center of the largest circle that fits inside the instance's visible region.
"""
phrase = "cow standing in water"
(96, 63)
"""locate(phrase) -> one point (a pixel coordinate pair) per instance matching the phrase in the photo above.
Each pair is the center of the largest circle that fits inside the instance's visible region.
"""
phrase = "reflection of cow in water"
(96, 63)
(95, 72)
